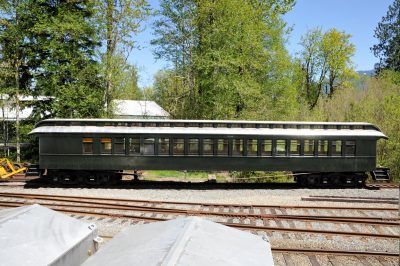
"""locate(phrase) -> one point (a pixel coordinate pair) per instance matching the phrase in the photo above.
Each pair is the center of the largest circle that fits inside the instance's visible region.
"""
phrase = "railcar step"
(381, 174)
(33, 170)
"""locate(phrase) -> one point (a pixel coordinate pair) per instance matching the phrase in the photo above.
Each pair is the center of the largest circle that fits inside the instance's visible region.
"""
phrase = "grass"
(179, 175)
(221, 177)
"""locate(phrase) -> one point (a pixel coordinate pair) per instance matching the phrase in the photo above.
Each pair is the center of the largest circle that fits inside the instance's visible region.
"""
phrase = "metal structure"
(186, 241)
(97, 150)
(8, 169)
(35, 235)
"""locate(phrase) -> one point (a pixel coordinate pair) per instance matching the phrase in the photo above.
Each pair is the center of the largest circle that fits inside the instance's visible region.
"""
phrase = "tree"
(170, 92)
(388, 34)
(326, 63)
(125, 80)
(62, 63)
(228, 57)
(176, 39)
(13, 53)
(119, 21)
(381, 94)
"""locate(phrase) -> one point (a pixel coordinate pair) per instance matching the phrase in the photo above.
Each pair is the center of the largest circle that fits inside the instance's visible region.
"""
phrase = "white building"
(130, 109)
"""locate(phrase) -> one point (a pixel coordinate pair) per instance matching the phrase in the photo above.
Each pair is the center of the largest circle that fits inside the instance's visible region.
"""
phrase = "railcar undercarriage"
(344, 179)
(75, 177)
(103, 178)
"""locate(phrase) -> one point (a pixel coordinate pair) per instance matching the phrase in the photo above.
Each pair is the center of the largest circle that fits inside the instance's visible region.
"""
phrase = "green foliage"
(118, 22)
(326, 63)
(62, 39)
(388, 34)
(124, 79)
(228, 58)
(171, 93)
(378, 103)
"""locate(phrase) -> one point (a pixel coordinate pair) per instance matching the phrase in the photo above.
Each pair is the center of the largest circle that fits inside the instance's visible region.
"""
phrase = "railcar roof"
(54, 120)
(303, 132)
(205, 123)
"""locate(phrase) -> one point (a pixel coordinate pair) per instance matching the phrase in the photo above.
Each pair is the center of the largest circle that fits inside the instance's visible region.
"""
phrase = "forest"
(227, 60)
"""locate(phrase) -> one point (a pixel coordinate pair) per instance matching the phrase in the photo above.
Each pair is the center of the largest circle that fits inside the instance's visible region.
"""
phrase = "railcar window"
(164, 146)
(134, 145)
(281, 147)
(237, 147)
(87, 145)
(252, 147)
(266, 147)
(295, 147)
(322, 147)
(309, 147)
(193, 147)
(119, 145)
(222, 147)
(105, 145)
(336, 148)
(179, 147)
(208, 147)
(350, 148)
(148, 146)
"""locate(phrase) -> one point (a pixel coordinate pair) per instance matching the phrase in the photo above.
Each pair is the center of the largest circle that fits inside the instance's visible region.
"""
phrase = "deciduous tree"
(119, 21)
(326, 63)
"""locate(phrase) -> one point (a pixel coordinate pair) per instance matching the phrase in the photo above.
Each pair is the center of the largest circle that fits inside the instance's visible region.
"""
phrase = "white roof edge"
(207, 121)
(207, 131)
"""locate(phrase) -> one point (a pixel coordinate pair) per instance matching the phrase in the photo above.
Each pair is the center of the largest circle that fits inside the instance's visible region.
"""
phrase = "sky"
(356, 17)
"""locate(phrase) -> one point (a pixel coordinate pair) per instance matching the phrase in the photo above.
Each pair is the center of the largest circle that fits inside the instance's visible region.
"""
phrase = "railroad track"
(371, 200)
(382, 185)
(247, 217)
(282, 224)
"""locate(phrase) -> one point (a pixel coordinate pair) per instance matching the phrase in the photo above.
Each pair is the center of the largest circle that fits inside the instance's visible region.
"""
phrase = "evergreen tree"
(388, 34)
(62, 62)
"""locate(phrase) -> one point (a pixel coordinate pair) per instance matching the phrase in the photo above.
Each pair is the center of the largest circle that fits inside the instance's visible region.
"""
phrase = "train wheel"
(313, 180)
(66, 178)
(93, 179)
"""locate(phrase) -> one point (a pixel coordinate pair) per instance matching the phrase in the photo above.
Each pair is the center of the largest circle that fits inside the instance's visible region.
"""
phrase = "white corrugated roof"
(138, 108)
(10, 114)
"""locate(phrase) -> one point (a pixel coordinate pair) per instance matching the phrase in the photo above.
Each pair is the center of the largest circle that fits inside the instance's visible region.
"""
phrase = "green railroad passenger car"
(96, 151)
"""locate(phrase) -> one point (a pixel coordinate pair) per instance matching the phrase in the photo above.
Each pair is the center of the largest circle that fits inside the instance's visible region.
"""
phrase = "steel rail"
(351, 200)
(347, 197)
(250, 206)
(234, 225)
(386, 221)
(334, 252)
